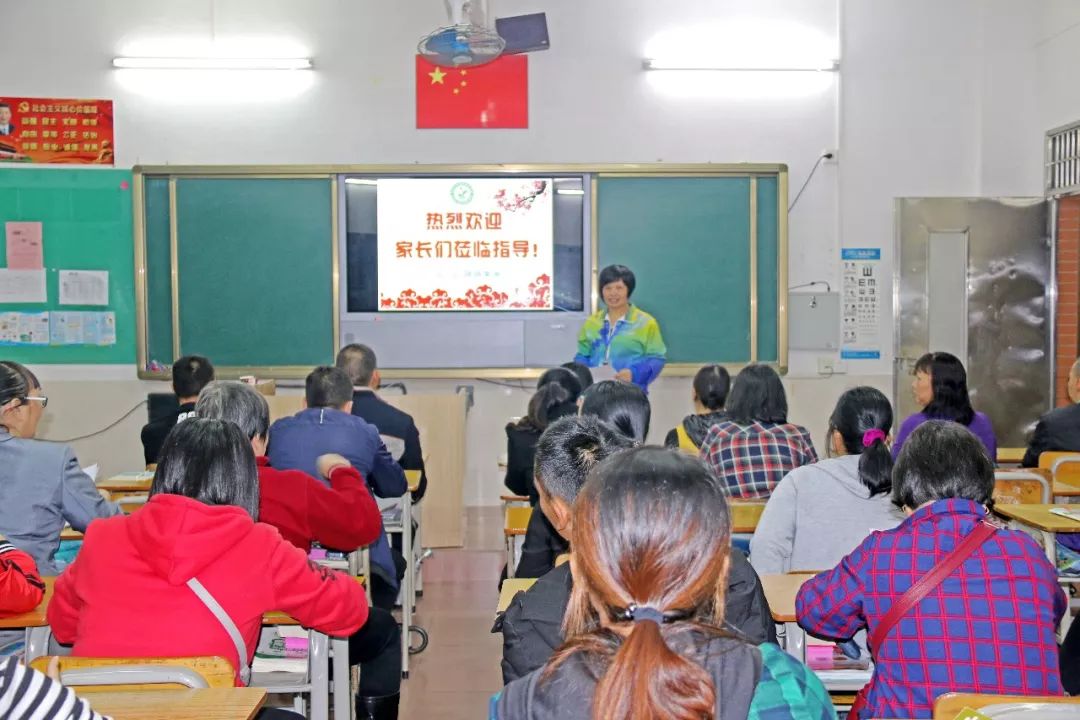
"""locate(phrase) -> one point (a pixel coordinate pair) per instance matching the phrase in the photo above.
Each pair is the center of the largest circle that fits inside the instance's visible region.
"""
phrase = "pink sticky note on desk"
(24, 245)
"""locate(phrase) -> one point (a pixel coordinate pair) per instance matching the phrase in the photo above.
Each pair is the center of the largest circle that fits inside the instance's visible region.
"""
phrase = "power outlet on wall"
(827, 365)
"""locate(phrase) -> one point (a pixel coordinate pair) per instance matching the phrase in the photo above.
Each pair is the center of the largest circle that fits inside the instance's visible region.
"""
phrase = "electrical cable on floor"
(108, 427)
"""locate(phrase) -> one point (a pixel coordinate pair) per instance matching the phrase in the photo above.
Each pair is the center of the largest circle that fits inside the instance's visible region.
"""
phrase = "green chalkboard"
(86, 218)
(687, 239)
(254, 268)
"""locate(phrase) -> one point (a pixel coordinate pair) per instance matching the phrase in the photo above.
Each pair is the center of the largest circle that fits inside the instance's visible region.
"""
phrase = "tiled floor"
(458, 673)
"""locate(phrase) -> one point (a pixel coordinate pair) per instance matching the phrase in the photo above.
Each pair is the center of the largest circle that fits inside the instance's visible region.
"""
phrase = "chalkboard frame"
(336, 174)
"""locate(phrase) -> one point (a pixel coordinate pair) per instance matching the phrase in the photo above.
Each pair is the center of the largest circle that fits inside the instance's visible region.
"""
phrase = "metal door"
(974, 277)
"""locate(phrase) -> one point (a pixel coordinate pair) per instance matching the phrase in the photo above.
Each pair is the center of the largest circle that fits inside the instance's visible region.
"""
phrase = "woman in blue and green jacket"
(620, 335)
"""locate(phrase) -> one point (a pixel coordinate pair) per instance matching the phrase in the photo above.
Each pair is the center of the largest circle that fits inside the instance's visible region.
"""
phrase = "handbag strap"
(227, 623)
(924, 585)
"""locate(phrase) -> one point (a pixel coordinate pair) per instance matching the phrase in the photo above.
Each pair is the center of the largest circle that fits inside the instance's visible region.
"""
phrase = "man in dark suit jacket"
(1058, 430)
(396, 427)
(532, 625)
(6, 126)
(190, 374)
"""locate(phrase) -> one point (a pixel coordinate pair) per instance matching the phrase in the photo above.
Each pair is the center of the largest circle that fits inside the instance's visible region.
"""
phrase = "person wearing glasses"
(42, 485)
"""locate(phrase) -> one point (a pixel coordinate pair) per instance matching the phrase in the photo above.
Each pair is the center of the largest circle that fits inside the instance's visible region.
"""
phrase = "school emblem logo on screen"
(462, 193)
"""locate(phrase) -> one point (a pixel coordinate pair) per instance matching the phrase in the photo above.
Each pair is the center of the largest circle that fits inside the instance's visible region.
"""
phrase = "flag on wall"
(495, 95)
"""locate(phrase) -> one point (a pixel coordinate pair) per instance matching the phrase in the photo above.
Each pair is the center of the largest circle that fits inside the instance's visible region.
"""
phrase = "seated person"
(821, 512)
(48, 699)
(556, 396)
(1059, 429)
(990, 627)
(21, 588)
(940, 387)
(41, 483)
(621, 405)
(711, 385)
(327, 426)
(532, 625)
(756, 447)
(584, 374)
(645, 635)
(343, 516)
(140, 572)
(190, 375)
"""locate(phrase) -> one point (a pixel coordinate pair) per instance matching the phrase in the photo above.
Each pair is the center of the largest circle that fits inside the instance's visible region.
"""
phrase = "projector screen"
(465, 244)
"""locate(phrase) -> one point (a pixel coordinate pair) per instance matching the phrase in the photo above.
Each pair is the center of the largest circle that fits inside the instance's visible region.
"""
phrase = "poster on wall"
(860, 326)
(56, 131)
(465, 244)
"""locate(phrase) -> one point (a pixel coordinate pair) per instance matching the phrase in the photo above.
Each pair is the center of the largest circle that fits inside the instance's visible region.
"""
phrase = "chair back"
(1064, 467)
(1021, 487)
(135, 674)
(950, 705)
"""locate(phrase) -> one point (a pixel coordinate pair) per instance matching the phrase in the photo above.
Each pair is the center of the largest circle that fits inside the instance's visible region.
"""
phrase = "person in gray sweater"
(821, 512)
(41, 483)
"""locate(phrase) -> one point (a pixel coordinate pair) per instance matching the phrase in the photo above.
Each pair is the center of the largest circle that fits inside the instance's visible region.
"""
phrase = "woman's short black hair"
(758, 395)
(570, 448)
(948, 380)
(210, 461)
(858, 411)
(564, 377)
(16, 381)
(615, 273)
(942, 460)
(584, 374)
(622, 405)
(711, 385)
(556, 391)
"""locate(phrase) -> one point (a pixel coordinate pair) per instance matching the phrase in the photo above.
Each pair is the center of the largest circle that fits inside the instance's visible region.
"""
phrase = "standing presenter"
(620, 338)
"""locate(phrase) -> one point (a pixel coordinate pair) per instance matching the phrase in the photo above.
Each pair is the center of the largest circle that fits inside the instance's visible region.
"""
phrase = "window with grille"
(1063, 160)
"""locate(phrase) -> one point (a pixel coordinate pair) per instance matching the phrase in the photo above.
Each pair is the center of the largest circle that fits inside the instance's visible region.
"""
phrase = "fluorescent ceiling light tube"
(360, 181)
(211, 63)
(811, 66)
(569, 191)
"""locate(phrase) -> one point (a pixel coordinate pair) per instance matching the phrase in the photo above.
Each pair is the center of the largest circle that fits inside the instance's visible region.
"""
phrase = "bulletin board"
(87, 224)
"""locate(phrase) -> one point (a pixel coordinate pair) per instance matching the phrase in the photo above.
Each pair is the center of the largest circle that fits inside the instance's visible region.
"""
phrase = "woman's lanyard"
(612, 329)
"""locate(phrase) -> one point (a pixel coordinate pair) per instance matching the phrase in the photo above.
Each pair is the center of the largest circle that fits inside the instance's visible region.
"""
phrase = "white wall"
(934, 98)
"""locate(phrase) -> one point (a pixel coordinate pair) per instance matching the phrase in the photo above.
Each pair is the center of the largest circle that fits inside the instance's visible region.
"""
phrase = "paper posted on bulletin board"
(861, 318)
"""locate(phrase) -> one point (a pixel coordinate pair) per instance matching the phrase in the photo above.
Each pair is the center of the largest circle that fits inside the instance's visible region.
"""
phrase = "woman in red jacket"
(21, 588)
(130, 592)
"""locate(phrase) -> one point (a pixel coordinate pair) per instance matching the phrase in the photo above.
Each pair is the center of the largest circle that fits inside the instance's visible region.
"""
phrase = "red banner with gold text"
(56, 131)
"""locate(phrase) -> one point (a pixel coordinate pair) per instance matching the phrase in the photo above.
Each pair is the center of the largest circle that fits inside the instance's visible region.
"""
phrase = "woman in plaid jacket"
(989, 627)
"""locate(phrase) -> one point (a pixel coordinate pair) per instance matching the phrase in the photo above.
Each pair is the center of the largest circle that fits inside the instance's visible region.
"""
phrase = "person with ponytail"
(644, 627)
(711, 386)
(42, 486)
(556, 396)
(821, 512)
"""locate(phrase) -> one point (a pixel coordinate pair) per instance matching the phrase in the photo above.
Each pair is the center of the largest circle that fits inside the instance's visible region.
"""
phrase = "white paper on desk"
(602, 372)
(22, 286)
(92, 471)
(84, 287)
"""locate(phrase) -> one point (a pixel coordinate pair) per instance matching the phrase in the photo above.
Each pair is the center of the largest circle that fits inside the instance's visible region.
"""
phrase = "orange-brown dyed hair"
(651, 527)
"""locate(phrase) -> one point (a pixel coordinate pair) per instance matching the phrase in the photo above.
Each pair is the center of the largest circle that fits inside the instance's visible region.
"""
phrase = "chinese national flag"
(495, 95)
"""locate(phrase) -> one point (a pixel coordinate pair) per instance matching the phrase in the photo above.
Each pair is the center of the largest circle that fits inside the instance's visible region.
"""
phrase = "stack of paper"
(282, 648)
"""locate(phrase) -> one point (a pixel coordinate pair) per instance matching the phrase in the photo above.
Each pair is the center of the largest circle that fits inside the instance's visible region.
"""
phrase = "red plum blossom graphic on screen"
(523, 198)
(483, 297)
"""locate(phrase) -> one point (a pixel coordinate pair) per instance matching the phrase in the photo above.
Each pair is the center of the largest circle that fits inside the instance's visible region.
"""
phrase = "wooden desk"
(1039, 517)
(745, 516)
(780, 591)
(1060, 489)
(127, 482)
(206, 704)
(70, 533)
(1010, 456)
(510, 588)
